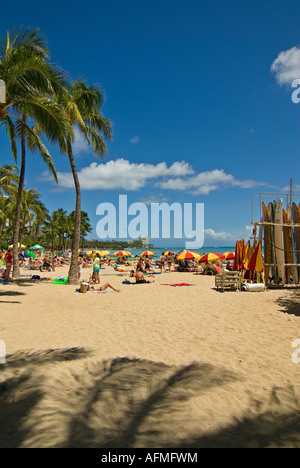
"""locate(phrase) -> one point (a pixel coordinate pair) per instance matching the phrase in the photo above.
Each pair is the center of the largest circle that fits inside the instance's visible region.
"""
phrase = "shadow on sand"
(290, 303)
(47, 401)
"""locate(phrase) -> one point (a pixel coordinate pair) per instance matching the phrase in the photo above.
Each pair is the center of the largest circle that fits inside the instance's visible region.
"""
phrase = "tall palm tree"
(82, 104)
(31, 83)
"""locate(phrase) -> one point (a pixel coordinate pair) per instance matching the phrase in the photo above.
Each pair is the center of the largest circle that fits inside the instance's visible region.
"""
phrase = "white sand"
(151, 366)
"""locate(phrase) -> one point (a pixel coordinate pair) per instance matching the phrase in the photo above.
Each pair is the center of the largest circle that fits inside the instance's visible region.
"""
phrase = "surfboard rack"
(279, 232)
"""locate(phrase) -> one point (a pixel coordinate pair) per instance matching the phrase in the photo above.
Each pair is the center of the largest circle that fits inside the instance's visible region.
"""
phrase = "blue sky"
(198, 115)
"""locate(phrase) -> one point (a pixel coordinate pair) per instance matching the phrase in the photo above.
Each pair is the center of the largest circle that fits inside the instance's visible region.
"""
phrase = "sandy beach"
(151, 366)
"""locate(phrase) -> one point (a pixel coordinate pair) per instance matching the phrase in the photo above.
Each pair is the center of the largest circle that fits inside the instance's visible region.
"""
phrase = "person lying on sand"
(102, 288)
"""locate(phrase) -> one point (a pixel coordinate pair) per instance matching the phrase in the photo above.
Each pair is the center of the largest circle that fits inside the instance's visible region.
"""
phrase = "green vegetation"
(42, 103)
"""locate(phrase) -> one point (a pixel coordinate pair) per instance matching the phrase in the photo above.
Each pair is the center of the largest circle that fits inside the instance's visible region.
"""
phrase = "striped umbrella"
(229, 255)
(147, 252)
(187, 255)
(122, 253)
(211, 257)
(169, 252)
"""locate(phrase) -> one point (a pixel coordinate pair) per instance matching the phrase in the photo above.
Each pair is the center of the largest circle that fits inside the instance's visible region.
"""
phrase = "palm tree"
(30, 86)
(8, 178)
(82, 105)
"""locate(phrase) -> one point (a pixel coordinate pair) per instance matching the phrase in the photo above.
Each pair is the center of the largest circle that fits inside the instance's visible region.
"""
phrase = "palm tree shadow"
(138, 392)
(20, 391)
(47, 401)
(290, 304)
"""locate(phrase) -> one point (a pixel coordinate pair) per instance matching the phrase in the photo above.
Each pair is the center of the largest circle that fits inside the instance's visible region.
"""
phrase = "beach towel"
(177, 284)
(61, 280)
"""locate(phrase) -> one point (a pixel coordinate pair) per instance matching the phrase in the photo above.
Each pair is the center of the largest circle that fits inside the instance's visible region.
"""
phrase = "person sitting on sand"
(102, 288)
(139, 277)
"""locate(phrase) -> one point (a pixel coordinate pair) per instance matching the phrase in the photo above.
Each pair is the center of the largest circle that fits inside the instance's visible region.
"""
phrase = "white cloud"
(206, 182)
(121, 174)
(213, 237)
(135, 140)
(217, 236)
(287, 66)
(80, 144)
(124, 175)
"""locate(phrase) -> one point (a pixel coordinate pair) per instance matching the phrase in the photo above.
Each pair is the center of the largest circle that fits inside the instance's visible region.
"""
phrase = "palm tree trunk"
(16, 267)
(73, 272)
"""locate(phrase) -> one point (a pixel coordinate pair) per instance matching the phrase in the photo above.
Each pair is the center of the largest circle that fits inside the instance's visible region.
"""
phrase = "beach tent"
(37, 247)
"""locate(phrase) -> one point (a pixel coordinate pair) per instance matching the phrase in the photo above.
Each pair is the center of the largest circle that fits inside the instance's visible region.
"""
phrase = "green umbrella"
(37, 247)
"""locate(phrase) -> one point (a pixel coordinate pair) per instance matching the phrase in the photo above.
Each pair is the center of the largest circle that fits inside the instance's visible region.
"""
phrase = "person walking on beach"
(96, 268)
(9, 264)
(170, 260)
(162, 264)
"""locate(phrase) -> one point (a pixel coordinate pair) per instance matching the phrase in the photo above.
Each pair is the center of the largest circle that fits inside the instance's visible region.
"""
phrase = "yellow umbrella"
(103, 253)
(22, 246)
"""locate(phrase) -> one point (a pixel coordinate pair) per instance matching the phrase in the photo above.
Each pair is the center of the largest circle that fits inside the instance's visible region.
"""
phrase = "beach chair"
(229, 280)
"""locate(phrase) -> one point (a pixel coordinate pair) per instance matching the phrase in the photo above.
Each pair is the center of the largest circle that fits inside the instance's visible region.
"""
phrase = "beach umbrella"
(256, 262)
(229, 255)
(122, 253)
(211, 257)
(187, 255)
(240, 252)
(169, 252)
(22, 246)
(147, 252)
(37, 247)
(103, 253)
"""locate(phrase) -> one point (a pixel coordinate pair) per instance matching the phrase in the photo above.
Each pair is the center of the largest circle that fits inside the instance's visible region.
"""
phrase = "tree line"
(42, 103)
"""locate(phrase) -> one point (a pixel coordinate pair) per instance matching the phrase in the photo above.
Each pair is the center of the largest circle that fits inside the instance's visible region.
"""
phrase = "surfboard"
(296, 220)
(294, 269)
(267, 242)
(279, 244)
(274, 271)
(288, 247)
